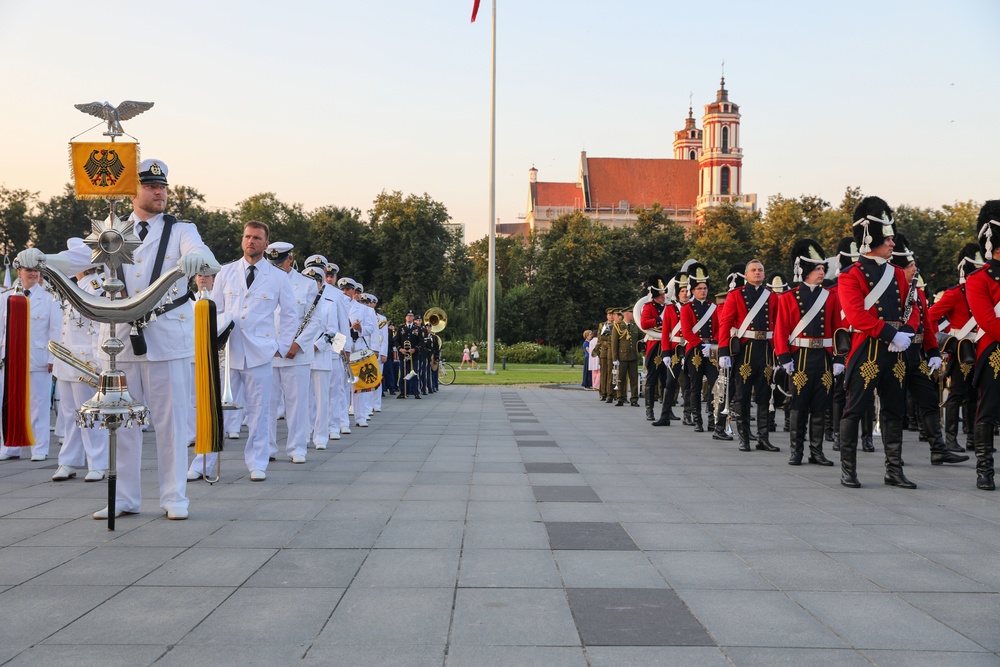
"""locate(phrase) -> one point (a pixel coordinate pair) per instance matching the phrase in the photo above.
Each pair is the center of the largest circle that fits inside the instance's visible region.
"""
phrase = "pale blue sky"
(332, 102)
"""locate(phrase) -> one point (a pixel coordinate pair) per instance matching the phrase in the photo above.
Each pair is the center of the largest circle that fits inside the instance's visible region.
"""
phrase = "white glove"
(30, 258)
(616, 363)
(789, 367)
(198, 263)
(934, 363)
(838, 369)
(900, 341)
(706, 349)
(725, 362)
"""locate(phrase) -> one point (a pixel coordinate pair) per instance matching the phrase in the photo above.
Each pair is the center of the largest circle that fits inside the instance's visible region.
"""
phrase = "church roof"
(640, 182)
(559, 194)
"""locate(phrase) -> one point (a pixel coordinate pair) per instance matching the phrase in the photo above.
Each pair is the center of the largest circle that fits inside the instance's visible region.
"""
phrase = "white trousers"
(165, 388)
(340, 398)
(39, 414)
(81, 446)
(362, 402)
(319, 405)
(290, 383)
(254, 386)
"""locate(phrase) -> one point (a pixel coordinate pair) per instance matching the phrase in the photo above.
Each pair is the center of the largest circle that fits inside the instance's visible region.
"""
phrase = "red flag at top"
(475, 10)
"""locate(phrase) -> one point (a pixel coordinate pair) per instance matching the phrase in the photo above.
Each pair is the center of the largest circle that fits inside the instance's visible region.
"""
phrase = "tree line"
(550, 286)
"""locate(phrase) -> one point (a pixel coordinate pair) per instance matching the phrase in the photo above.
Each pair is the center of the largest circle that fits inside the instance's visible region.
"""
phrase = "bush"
(529, 353)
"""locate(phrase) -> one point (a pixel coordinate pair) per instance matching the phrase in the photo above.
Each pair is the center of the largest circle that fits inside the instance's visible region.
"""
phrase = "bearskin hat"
(902, 255)
(777, 282)
(807, 254)
(656, 283)
(736, 277)
(970, 259)
(697, 274)
(873, 223)
(989, 227)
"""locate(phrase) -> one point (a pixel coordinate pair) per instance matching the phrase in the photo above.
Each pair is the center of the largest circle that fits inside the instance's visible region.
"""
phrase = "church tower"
(721, 160)
(687, 142)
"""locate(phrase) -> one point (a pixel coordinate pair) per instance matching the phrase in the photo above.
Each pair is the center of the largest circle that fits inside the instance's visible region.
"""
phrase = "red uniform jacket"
(929, 325)
(735, 311)
(671, 318)
(650, 317)
(984, 293)
(789, 314)
(953, 306)
(689, 318)
(854, 287)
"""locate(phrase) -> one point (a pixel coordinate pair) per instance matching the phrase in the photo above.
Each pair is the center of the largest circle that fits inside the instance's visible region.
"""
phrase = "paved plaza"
(504, 526)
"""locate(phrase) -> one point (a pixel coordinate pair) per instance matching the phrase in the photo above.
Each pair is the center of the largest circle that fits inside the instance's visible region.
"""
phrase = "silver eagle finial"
(113, 116)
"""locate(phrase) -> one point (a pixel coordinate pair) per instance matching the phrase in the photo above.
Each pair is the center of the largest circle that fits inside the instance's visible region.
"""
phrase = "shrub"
(530, 353)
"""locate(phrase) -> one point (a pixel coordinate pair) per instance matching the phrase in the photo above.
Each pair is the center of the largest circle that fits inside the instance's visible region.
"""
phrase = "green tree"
(726, 237)
(519, 316)
(287, 222)
(786, 221)
(15, 220)
(511, 253)
(61, 218)
(458, 272)
(410, 243)
(339, 235)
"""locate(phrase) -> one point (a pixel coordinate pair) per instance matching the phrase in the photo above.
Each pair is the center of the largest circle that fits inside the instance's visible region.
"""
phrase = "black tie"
(250, 276)
(27, 292)
(143, 230)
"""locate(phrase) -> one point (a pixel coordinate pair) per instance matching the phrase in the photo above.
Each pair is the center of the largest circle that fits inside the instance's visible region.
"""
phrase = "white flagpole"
(492, 282)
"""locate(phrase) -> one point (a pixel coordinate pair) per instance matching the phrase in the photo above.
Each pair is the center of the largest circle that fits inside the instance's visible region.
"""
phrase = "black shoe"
(698, 428)
(939, 458)
(672, 415)
(866, 444)
(619, 404)
(795, 459)
(401, 396)
(721, 435)
(744, 446)
(820, 460)
(417, 396)
(900, 481)
(767, 446)
(850, 481)
(634, 405)
(662, 422)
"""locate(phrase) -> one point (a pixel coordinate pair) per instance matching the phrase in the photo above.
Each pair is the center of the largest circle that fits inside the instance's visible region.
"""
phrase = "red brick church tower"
(721, 160)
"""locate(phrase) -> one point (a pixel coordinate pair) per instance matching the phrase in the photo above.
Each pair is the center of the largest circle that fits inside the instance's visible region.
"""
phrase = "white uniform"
(340, 387)
(46, 325)
(253, 343)
(290, 377)
(81, 446)
(382, 335)
(321, 370)
(161, 379)
(362, 401)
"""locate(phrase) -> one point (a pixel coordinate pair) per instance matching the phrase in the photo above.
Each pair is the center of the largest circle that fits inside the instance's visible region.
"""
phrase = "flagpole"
(492, 282)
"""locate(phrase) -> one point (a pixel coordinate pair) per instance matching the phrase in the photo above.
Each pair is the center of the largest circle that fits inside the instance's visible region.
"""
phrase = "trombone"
(89, 371)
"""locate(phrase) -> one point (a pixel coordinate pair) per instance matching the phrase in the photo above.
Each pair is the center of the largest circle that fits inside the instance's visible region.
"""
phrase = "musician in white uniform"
(250, 290)
(161, 378)
(45, 325)
(340, 418)
(382, 336)
(364, 324)
(290, 374)
(81, 446)
(321, 367)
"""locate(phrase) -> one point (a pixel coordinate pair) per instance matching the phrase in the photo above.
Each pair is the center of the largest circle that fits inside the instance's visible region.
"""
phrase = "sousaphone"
(437, 318)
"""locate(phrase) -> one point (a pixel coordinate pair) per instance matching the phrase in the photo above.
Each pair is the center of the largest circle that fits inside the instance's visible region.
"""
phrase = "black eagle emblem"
(368, 373)
(104, 171)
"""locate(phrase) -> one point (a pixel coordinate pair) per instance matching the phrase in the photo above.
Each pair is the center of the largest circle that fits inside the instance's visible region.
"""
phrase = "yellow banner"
(104, 169)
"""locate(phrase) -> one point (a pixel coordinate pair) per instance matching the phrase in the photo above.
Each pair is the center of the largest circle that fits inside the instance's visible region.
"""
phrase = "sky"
(330, 103)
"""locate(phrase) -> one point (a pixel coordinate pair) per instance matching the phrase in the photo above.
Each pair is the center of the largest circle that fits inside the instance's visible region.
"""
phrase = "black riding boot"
(742, 419)
(867, 429)
(983, 435)
(817, 425)
(931, 421)
(951, 429)
(849, 453)
(763, 441)
(699, 425)
(664, 419)
(688, 419)
(892, 443)
(828, 425)
(650, 388)
(797, 436)
(836, 410)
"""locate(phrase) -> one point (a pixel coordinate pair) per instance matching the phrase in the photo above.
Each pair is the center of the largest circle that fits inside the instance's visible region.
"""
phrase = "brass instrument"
(655, 332)
(720, 398)
(91, 374)
(408, 357)
(437, 318)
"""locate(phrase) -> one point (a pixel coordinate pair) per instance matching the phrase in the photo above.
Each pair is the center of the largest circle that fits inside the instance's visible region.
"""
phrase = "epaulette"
(852, 267)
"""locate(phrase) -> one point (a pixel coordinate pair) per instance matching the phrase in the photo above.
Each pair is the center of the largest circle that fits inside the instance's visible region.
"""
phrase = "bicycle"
(446, 373)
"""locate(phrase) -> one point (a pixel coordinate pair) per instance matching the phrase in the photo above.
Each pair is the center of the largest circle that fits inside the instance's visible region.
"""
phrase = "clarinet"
(308, 315)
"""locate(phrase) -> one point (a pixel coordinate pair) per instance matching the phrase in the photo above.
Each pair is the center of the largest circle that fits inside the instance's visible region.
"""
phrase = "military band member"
(984, 301)
(873, 295)
(671, 351)
(321, 367)
(604, 354)
(364, 325)
(342, 392)
(746, 331)
(778, 283)
(922, 359)
(251, 289)
(651, 318)
(625, 338)
(290, 371)
(408, 340)
(382, 336)
(699, 324)
(953, 306)
(807, 316)
(45, 325)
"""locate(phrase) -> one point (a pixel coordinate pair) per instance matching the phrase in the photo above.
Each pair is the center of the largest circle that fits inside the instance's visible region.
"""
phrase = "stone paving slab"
(505, 526)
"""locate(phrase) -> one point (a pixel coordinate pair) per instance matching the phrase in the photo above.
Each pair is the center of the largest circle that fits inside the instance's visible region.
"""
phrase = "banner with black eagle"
(104, 169)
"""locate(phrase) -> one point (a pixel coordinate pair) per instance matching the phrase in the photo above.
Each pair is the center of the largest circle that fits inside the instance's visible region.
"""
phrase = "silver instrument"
(308, 316)
(720, 398)
(90, 373)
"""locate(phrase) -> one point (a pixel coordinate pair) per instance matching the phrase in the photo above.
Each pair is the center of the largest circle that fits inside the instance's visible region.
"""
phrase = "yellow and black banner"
(104, 169)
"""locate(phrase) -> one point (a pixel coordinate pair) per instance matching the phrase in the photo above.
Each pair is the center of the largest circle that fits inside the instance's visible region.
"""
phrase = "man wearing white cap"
(326, 362)
(159, 376)
(364, 324)
(250, 290)
(290, 372)
(340, 418)
(339, 400)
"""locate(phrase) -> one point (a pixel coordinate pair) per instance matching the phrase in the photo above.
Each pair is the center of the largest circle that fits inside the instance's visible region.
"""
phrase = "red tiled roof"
(640, 182)
(559, 194)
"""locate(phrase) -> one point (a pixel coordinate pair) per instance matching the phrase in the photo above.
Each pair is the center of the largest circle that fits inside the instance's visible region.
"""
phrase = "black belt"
(166, 308)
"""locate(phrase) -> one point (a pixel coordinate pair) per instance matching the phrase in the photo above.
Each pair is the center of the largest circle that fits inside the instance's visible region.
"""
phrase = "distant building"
(458, 227)
(705, 171)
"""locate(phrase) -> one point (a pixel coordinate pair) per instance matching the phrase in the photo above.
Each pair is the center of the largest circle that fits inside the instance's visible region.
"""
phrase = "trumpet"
(91, 374)
(720, 398)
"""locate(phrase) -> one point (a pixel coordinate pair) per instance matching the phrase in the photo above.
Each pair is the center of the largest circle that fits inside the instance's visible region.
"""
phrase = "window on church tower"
(692, 156)
(724, 180)
(725, 139)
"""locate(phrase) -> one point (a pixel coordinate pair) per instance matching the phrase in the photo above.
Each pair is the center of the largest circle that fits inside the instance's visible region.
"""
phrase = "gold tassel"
(208, 393)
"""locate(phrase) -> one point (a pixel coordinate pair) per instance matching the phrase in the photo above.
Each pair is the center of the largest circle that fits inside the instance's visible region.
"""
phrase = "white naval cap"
(74, 242)
(332, 268)
(314, 272)
(347, 282)
(153, 171)
(316, 260)
(278, 252)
